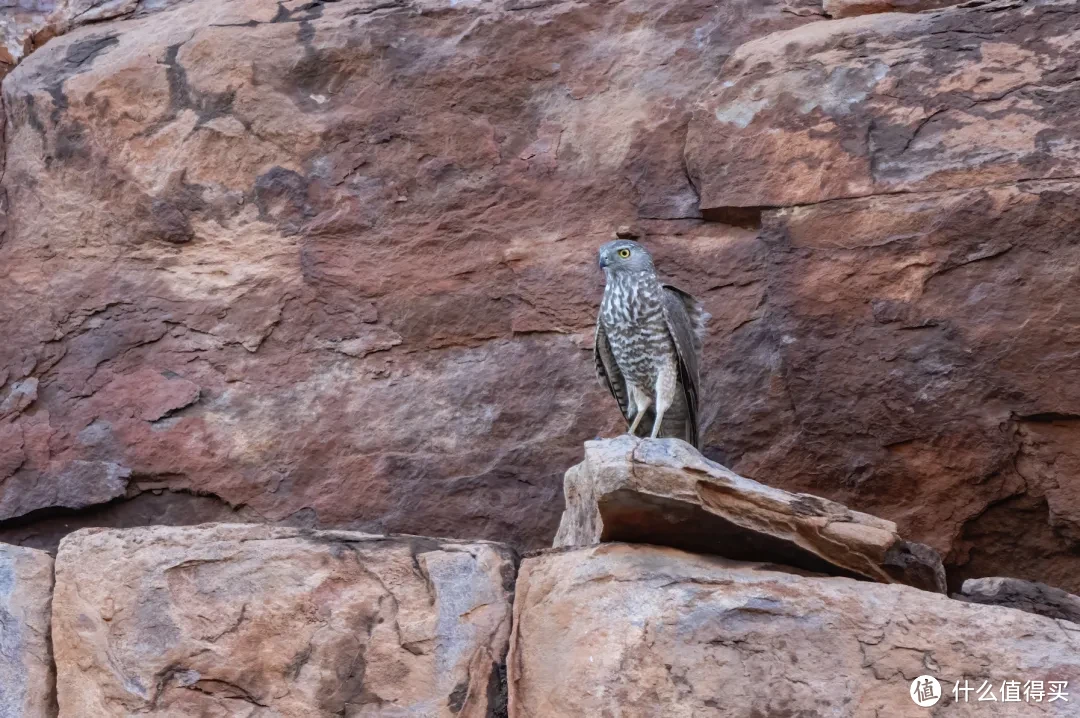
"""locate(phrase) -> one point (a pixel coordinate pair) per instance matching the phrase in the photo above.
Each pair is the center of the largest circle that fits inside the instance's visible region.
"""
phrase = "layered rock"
(235, 620)
(1030, 596)
(27, 678)
(851, 8)
(662, 491)
(621, 629)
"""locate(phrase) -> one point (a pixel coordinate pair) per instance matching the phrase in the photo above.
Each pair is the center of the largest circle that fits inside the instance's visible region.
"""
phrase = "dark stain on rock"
(312, 11)
(69, 143)
(167, 216)
(306, 35)
(170, 224)
(325, 71)
(182, 96)
(457, 697)
(179, 91)
(60, 102)
(283, 14)
(100, 106)
(84, 51)
(188, 196)
(70, 138)
(32, 116)
(282, 196)
(497, 692)
(807, 505)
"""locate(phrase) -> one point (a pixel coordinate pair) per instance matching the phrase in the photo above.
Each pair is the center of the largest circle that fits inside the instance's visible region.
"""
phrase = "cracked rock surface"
(619, 629)
(256, 621)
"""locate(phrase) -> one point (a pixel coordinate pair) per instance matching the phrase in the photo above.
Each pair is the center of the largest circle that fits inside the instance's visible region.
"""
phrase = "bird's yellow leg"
(641, 401)
(665, 395)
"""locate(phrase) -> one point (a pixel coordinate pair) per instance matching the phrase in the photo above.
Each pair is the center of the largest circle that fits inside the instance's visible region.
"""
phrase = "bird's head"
(624, 256)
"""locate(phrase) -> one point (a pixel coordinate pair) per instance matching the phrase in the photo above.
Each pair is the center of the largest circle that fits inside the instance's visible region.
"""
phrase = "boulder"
(1030, 596)
(27, 678)
(619, 629)
(240, 620)
(662, 491)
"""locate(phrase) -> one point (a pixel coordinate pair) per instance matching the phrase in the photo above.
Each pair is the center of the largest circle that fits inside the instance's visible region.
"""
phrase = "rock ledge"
(664, 492)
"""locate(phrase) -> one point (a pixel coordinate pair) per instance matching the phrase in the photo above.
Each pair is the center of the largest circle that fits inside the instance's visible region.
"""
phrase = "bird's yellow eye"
(624, 253)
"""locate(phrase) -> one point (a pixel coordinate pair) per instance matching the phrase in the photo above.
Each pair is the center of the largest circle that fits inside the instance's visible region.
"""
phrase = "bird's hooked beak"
(603, 260)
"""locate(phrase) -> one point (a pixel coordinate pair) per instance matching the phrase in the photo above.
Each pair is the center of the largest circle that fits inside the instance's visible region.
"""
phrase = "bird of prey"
(648, 340)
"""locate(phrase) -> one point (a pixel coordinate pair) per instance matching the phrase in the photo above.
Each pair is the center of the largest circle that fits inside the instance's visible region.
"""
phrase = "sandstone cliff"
(327, 267)
(330, 264)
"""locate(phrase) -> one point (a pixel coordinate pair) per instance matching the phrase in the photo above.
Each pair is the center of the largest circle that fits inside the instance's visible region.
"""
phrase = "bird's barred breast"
(633, 318)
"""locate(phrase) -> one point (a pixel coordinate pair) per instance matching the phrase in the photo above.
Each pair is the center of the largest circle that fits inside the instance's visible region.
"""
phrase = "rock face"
(332, 264)
(27, 678)
(913, 323)
(891, 103)
(78, 485)
(664, 492)
(620, 629)
(27, 24)
(921, 300)
(235, 620)
(1037, 598)
(851, 8)
(334, 261)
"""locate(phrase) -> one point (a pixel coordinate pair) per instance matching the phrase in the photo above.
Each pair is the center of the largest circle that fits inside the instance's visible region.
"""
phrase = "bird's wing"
(686, 320)
(608, 371)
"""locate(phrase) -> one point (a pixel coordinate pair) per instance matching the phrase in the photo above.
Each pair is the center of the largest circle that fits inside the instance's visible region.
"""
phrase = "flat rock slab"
(255, 621)
(664, 492)
(619, 629)
(1030, 596)
(27, 682)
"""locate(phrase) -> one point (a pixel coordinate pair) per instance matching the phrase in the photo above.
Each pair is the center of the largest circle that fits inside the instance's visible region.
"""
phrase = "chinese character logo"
(1011, 691)
(925, 691)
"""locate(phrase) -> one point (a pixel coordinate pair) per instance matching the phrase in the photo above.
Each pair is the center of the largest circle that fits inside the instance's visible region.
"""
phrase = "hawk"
(648, 340)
